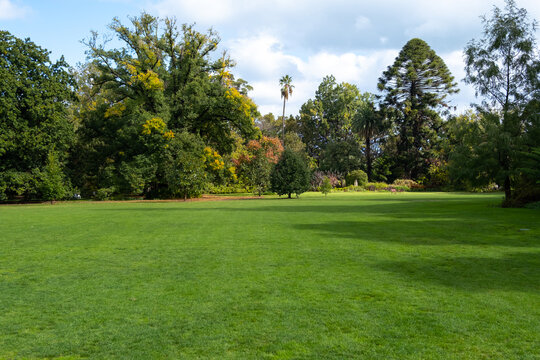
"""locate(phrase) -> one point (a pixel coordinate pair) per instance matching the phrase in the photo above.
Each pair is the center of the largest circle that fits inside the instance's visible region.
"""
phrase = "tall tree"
(369, 124)
(415, 91)
(34, 121)
(160, 82)
(286, 90)
(328, 117)
(504, 67)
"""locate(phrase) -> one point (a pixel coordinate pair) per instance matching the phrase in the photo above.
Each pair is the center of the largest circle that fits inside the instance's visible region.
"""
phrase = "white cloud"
(355, 40)
(203, 11)
(262, 60)
(12, 10)
(454, 62)
(260, 56)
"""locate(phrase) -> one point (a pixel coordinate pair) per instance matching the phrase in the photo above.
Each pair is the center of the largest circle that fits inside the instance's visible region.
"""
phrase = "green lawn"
(363, 275)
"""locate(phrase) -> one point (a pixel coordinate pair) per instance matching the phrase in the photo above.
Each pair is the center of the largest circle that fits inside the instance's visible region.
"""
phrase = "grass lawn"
(363, 275)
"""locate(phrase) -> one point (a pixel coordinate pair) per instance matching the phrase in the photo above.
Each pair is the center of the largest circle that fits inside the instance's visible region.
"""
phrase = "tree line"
(162, 115)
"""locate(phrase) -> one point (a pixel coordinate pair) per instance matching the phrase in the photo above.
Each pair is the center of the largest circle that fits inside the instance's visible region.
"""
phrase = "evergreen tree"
(415, 90)
(52, 185)
(290, 175)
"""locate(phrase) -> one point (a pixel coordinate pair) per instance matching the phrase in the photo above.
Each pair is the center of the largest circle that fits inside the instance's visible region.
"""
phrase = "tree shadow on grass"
(393, 206)
(434, 230)
(514, 271)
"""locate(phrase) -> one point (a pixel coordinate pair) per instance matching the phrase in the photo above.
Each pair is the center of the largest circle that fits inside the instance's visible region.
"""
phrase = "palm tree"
(286, 90)
(369, 124)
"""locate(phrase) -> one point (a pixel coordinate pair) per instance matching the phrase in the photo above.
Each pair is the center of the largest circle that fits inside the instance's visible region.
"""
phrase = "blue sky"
(355, 40)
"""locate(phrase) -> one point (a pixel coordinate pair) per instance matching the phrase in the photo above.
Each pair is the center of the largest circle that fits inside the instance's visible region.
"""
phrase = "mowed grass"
(364, 275)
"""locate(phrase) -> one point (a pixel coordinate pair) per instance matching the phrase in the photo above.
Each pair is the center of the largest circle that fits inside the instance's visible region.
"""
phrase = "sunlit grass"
(363, 275)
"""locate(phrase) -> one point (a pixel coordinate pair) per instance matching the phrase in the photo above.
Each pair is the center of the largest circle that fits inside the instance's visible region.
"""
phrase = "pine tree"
(416, 87)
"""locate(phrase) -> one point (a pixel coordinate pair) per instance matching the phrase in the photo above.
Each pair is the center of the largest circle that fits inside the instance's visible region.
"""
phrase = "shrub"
(290, 175)
(227, 189)
(318, 176)
(104, 193)
(352, 188)
(326, 186)
(357, 175)
(398, 188)
(377, 186)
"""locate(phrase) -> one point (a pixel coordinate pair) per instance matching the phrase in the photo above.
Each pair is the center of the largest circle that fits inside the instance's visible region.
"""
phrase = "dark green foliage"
(33, 116)
(476, 144)
(290, 175)
(184, 166)
(137, 174)
(370, 125)
(358, 176)
(328, 117)
(504, 67)
(341, 156)
(415, 88)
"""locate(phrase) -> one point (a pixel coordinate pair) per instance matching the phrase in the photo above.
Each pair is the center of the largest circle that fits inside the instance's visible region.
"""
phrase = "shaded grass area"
(394, 276)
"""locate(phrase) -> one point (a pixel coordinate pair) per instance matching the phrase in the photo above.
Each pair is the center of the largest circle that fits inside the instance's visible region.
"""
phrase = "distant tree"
(184, 166)
(326, 186)
(290, 175)
(341, 156)
(327, 119)
(52, 184)
(34, 93)
(268, 125)
(286, 90)
(504, 67)
(415, 89)
(255, 163)
(369, 124)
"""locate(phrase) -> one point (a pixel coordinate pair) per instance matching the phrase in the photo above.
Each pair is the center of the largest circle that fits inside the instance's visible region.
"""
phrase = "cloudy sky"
(355, 40)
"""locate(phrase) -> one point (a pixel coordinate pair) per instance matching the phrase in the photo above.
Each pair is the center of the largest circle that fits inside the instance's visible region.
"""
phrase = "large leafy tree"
(415, 90)
(161, 81)
(327, 119)
(34, 121)
(504, 67)
(203, 95)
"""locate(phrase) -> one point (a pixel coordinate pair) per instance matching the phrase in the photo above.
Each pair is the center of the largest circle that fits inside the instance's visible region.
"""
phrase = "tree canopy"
(415, 90)
(34, 120)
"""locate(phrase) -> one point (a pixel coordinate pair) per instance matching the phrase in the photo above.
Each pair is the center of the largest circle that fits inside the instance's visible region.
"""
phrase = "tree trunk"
(368, 157)
(507, 188)
(283, 121)
(290, 195)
